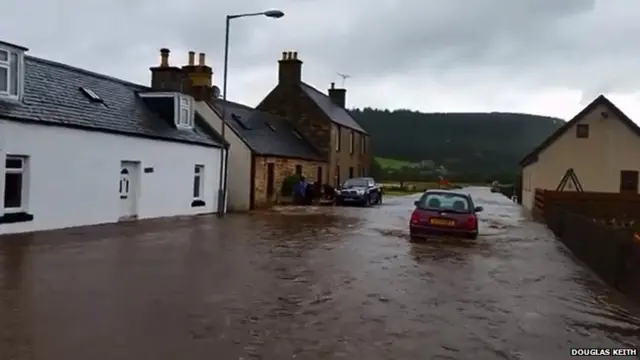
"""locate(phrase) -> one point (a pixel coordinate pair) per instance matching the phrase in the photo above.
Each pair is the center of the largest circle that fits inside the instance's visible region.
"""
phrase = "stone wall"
(315, 126)
(345, 160)
(283, 167)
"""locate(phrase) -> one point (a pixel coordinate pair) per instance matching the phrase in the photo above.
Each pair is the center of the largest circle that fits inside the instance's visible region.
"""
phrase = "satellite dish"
(216, 92)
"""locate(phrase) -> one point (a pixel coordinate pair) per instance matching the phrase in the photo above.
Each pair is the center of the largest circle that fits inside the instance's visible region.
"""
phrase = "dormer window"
(171, 103)
(184, 115)
(11, 71)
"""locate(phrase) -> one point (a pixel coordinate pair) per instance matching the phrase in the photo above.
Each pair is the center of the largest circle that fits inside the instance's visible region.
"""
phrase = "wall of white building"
(72, 176)
(239, 172)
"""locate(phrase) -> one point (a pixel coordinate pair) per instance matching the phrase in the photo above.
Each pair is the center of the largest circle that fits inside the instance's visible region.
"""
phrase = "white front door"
(127, 189)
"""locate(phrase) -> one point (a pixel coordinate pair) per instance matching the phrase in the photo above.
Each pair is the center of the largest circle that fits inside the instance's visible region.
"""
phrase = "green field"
(387, 163)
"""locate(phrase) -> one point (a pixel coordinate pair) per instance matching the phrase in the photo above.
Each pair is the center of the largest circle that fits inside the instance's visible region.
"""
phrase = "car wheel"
(472, 236)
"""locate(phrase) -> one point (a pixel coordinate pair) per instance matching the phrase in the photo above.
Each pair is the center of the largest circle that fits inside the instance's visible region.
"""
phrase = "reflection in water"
(310, 282)
(15, 301)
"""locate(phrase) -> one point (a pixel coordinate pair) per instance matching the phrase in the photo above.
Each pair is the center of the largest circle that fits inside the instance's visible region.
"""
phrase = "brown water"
(304, 283)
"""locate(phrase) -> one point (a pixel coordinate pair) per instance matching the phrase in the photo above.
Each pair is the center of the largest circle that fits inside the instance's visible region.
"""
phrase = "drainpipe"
(223, 207)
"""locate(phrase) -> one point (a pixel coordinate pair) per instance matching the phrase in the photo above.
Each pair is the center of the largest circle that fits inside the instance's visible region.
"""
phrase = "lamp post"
(222, 191)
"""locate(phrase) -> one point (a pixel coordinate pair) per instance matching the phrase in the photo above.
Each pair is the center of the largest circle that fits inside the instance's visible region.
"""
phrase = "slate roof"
(338, 114)
(52, 96)
(532, 157)
(253, 127)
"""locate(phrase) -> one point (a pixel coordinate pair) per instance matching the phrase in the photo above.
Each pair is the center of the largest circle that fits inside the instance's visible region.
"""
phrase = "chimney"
(165, 77)
(199, 78)
(290, 69)
(338, 96)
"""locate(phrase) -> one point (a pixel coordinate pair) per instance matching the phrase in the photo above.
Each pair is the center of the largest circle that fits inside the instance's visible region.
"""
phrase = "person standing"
(300, 191)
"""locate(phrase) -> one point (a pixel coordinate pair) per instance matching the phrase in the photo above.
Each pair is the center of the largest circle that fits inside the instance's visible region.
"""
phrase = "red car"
(444, 212)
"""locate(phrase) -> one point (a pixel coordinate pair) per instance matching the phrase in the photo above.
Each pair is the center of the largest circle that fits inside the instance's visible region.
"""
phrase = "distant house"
(82, 148)
(322, 119)
(265, 150)
(598, 150)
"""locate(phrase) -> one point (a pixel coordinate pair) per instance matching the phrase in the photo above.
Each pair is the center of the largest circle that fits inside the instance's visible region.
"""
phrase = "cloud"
(549, 57)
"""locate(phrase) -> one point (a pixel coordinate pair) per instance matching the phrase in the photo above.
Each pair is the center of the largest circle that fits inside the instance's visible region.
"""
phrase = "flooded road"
(305, 283)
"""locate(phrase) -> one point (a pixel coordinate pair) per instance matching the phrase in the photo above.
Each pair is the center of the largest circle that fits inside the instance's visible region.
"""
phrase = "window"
(363, 144)
(352, 139)
(356, 183)
(582, 131)
(319, 174)
(198, 184)
(337, 139)
(337, 176)
(91, 94)
(445, 202)
(124, 184)
(11, 73)
(298, 169)
(14, 184)
(351, 172)
(185, 112)
(629, 181)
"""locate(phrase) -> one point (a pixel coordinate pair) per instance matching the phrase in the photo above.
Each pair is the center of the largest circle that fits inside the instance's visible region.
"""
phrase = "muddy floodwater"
(304, 283)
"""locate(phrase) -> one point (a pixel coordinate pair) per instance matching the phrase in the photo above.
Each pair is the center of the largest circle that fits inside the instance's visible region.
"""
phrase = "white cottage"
(82, 148)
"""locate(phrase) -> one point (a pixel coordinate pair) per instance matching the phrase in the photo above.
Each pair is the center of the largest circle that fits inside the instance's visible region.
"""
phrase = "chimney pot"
(201, 59)
(290, 68)
(333, 85)
(192, 58)
(164, 57)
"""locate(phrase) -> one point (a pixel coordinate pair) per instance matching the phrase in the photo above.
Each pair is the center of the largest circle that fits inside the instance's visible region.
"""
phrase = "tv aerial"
(344, 78)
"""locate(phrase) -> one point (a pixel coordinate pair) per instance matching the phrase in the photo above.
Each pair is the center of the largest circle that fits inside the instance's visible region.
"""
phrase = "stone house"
(322, 119)
(598, 150)
(79, 148)
(271, 149)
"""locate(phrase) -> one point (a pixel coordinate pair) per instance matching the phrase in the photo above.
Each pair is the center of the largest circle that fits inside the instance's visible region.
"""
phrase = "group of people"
(304, 192)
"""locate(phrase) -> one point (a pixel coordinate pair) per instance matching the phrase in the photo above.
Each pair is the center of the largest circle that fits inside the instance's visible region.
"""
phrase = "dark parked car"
(444, 212)
(361, 191)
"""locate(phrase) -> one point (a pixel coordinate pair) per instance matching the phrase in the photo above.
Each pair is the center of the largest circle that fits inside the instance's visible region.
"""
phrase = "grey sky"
(545, 57)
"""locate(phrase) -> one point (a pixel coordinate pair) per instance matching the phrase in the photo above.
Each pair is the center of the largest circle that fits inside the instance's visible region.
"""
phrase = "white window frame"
(184, 104)
(23, 187)
(19, 54)
(198, 174)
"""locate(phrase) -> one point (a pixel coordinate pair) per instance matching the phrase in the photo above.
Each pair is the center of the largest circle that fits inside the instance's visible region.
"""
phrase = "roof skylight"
(91, 95)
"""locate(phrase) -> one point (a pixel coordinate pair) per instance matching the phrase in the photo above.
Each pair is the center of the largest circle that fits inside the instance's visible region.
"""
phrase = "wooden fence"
(601, 229)
(612, 253)
(620, 206)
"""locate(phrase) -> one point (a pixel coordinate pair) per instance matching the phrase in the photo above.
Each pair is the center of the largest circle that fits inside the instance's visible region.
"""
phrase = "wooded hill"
(471, 146)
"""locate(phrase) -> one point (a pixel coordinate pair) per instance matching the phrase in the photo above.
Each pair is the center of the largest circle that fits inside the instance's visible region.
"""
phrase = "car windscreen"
(355, 183)
(445, 202)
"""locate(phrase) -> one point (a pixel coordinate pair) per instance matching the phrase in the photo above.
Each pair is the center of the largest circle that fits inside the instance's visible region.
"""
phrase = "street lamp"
(222, 191)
